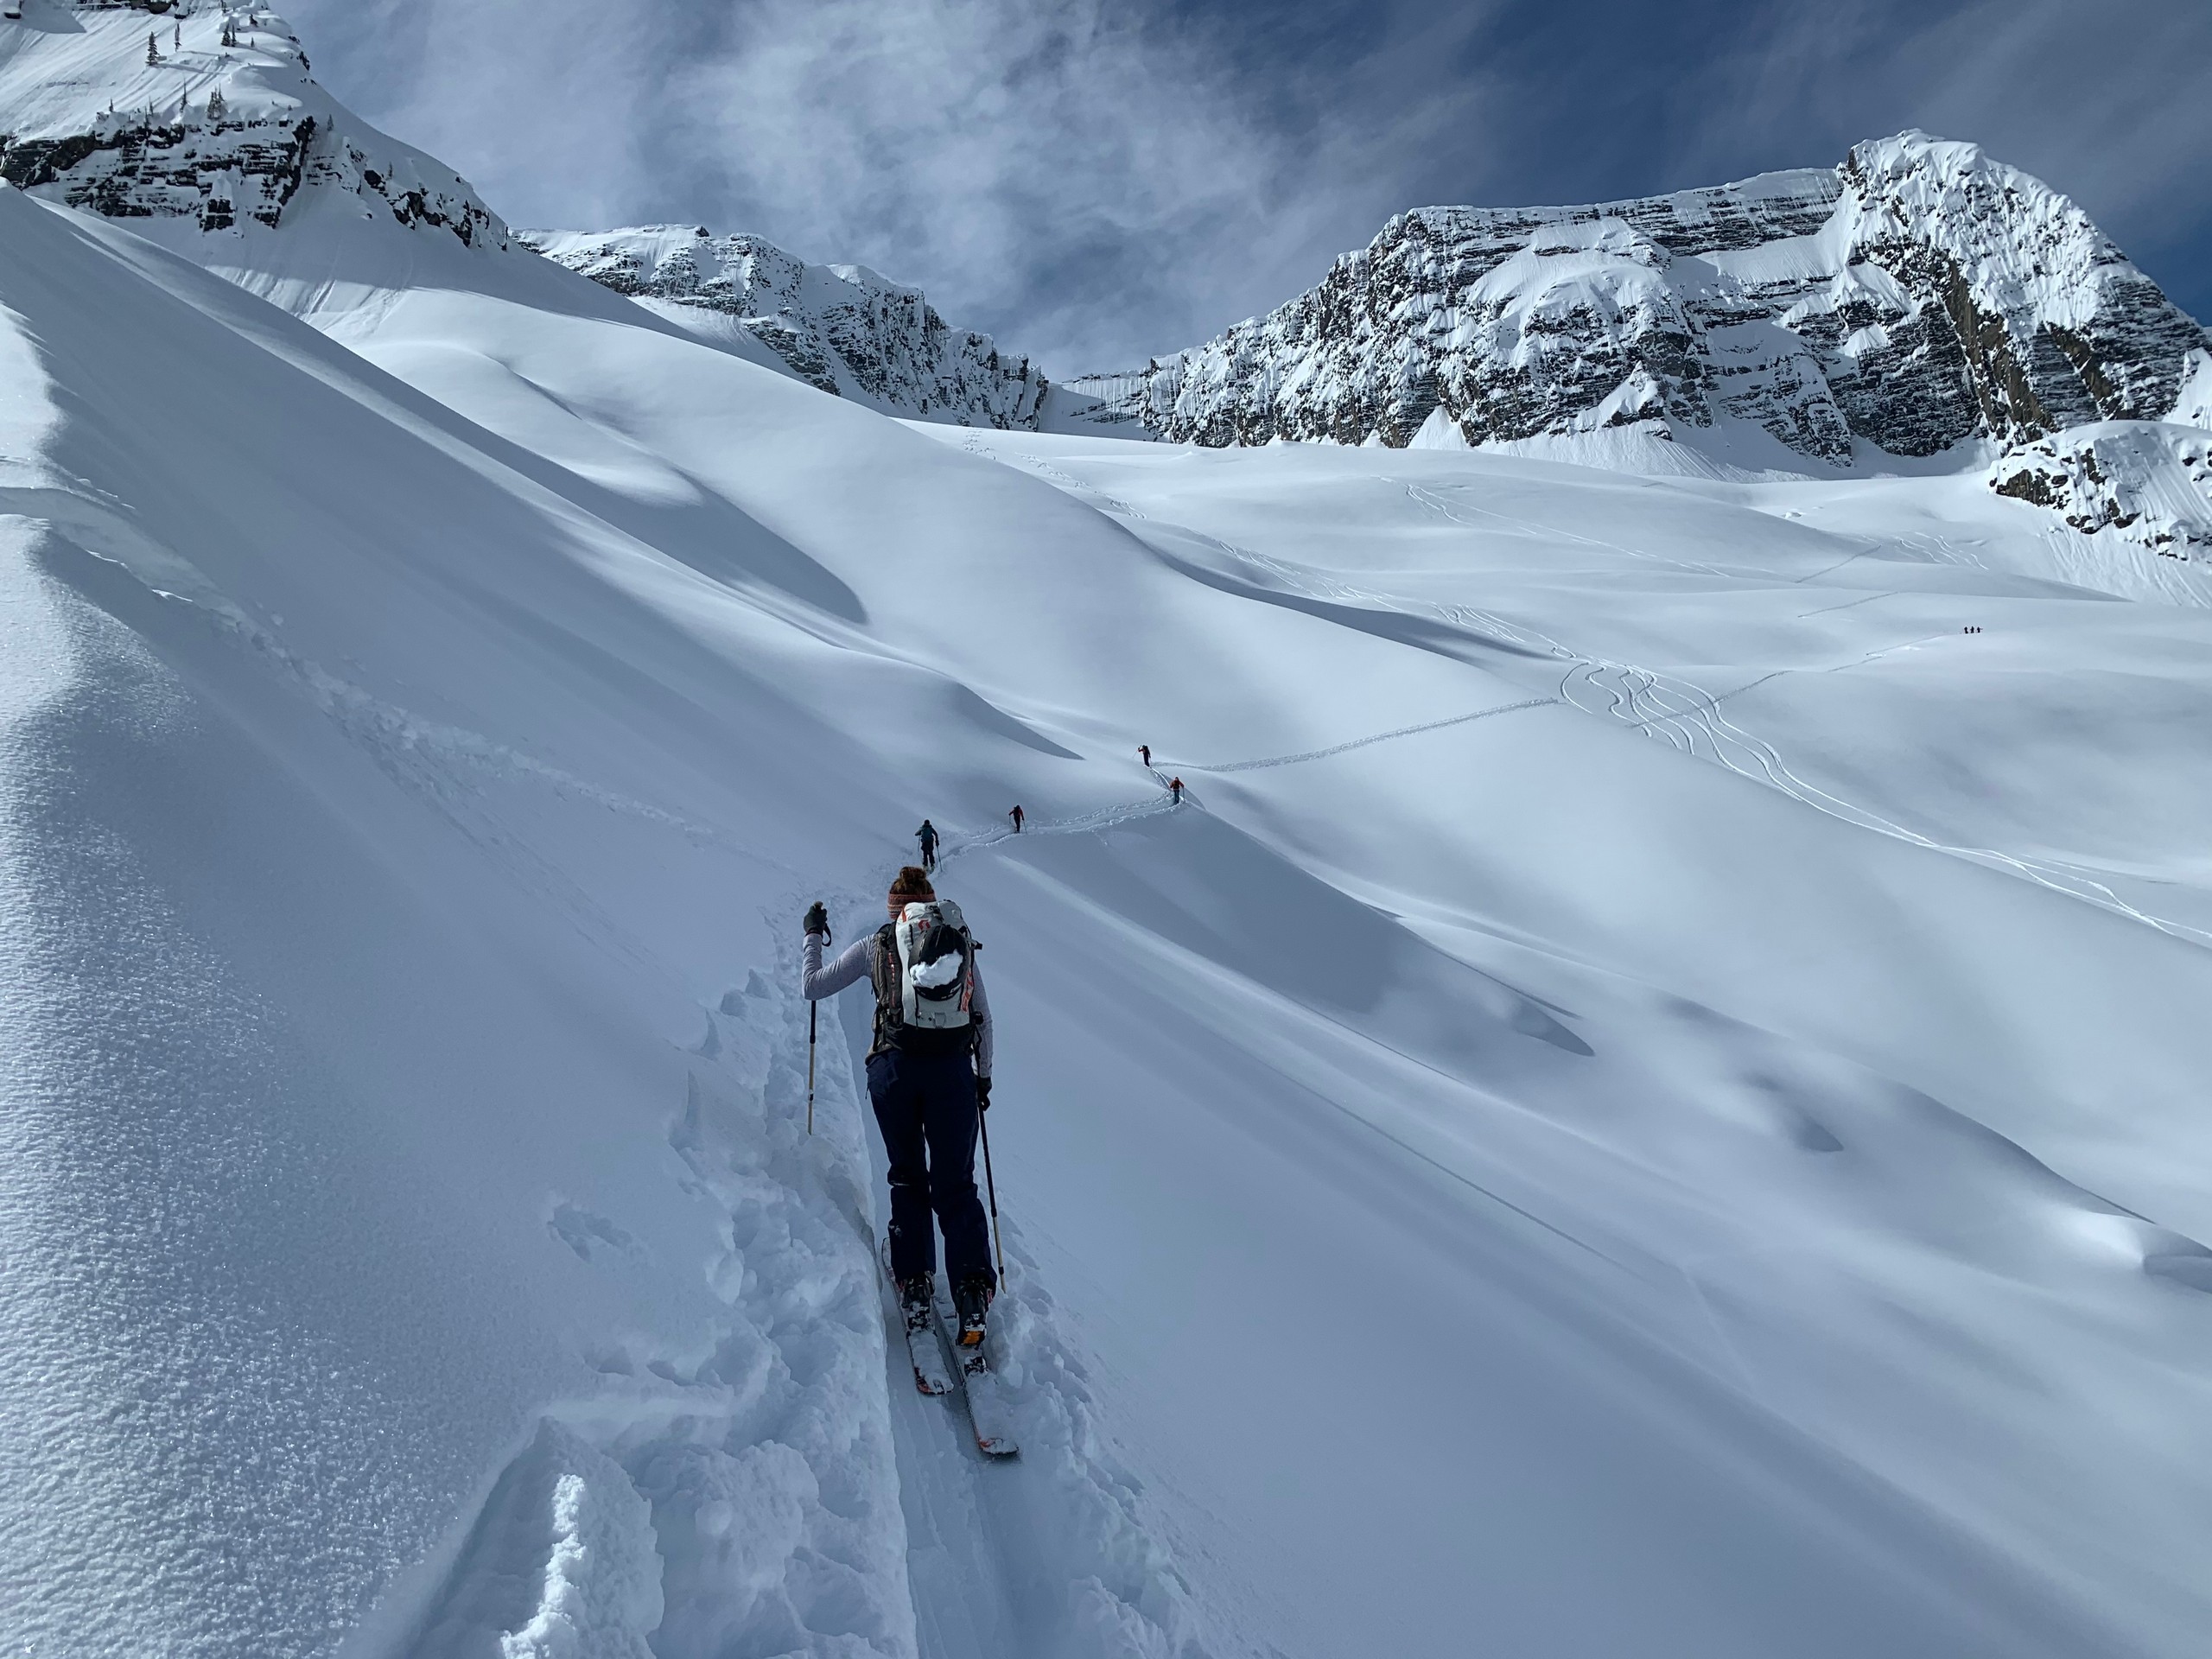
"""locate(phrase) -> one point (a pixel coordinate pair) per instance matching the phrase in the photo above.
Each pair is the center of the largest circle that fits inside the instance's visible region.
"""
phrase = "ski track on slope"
(1657, 703)
(737, 1496)
(637, 1516)
(629, 1513)
(1053, 1553)
(1360, 743)
(1664, 706)
(1681, 713)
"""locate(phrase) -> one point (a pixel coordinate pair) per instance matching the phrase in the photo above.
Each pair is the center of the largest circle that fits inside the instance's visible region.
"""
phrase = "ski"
(932, 1375)
(988, 1411)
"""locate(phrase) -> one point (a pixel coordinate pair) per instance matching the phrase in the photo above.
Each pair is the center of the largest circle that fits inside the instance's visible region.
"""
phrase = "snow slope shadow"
(1223, 897)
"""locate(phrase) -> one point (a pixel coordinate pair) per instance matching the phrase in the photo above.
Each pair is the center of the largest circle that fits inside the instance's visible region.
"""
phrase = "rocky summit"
(1919, 296)
(843, 329)
(185, 114)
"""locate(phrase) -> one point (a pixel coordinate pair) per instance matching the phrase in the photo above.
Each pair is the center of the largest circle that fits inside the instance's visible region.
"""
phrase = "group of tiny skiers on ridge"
(929, 1078)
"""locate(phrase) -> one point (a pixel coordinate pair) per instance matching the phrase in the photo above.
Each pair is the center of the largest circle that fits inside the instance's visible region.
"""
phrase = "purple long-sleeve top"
(852, 965)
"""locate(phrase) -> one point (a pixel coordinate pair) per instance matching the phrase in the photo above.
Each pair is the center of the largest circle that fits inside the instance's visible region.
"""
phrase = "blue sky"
(1094, 180)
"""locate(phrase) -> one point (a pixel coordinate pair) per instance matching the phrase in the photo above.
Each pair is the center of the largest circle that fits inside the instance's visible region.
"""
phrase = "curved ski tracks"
(1660, 705)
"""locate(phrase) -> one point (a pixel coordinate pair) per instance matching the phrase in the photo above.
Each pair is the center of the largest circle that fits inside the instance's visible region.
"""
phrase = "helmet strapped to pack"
(936, 965)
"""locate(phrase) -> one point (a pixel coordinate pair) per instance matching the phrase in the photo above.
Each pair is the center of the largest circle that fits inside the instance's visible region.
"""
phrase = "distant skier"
(929, 1075)
(1016, 815)
(1175, 791)
(1144, 754)
(927, 835)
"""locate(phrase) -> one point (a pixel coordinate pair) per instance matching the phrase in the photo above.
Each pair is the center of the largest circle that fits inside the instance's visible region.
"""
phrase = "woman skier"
(928, 1077)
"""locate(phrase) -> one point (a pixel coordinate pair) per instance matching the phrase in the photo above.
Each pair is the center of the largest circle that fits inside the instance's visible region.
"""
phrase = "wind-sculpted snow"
(1919, 297)
(841, 328)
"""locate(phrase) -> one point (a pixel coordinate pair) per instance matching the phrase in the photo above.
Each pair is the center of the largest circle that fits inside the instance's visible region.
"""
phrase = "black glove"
(817, 919)
(983, 1093)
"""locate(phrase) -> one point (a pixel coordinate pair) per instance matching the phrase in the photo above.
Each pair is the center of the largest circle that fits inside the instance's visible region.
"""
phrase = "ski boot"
(915, 1295)
(971, 1299)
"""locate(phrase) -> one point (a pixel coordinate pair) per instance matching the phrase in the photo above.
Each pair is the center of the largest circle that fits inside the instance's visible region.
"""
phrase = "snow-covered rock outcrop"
(1920, 295)
(2143, 481)
(188, 113)
(841, 327)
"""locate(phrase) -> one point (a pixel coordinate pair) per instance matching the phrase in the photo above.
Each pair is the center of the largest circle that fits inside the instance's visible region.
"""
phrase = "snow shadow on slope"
(1190, 879)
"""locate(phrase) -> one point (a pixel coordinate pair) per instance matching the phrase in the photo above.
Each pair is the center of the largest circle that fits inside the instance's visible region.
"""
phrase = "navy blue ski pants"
(925, 1106)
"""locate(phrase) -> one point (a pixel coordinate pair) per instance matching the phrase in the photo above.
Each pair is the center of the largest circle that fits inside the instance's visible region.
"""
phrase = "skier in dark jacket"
(1175, 791)
(1144, 754)
(927, 835)
(1017, 815)
(928, 1087)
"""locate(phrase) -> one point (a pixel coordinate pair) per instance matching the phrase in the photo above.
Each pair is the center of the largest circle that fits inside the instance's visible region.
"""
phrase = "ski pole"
(813, 1012)
(991, 1186)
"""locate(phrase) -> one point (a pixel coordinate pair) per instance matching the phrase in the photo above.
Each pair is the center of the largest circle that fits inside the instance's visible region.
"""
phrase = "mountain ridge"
(1918, 296)
(843, 329)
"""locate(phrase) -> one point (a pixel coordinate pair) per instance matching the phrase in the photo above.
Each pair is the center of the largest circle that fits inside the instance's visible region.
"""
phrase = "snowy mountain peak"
(843, 329)
(193, 115)
(1918, 296)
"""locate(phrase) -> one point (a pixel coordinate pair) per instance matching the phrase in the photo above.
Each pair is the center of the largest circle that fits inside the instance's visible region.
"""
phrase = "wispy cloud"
(1094, 180)
(1062, 159)
(1089, 179)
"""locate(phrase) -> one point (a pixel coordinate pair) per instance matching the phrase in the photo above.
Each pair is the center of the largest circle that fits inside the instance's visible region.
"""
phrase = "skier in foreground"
(927, 835)
(929, 1076)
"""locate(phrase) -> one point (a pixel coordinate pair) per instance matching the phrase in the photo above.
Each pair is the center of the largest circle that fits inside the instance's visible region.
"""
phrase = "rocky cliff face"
(2141, 481)
(1918, 296)
(841, 327)
(182, 112)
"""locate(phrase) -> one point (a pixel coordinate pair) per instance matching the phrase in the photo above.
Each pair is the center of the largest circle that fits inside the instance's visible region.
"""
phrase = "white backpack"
(937, 965)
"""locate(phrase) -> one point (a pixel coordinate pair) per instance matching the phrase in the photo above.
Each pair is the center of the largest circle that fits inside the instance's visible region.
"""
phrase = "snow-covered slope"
(1650, 1103)
(1919, 297)
(841, 328)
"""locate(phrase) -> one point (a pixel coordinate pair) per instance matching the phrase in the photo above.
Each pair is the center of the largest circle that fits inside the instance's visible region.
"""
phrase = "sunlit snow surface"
(1650, 1102)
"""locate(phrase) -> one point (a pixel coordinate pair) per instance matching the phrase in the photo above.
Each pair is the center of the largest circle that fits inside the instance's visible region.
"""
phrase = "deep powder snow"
(1648, 1100)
